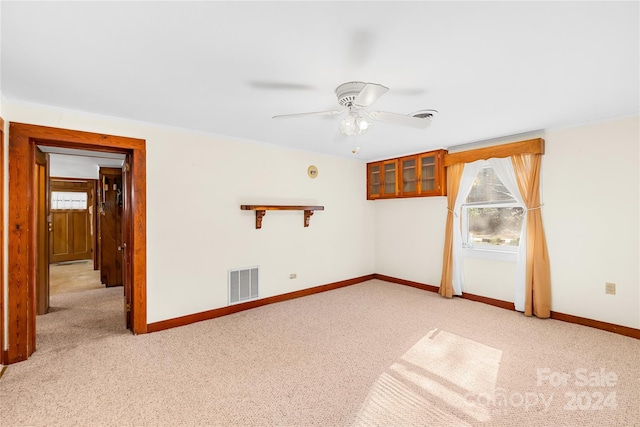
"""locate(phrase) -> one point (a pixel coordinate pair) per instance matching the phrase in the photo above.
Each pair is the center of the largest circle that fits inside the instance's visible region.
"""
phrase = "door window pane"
(68, 200)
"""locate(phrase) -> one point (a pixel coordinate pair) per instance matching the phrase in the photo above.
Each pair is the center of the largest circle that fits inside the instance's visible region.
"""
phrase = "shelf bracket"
(307, 217)
(261, 210)
(259, 215)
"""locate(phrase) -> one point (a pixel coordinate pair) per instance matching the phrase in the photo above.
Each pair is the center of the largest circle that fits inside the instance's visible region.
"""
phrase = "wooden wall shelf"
(261, 210)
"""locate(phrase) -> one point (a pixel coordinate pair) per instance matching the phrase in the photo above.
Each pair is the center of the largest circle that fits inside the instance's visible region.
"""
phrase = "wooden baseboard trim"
(609, 327)
(223, 311)
(422, 286)
(486, 300)
(491, 301)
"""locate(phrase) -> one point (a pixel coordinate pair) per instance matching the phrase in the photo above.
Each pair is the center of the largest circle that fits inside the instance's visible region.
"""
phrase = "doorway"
(84, 222)
(22, 265)
(72, 206)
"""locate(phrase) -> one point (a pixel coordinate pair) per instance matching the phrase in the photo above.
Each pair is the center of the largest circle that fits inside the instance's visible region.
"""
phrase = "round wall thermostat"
(312, 171)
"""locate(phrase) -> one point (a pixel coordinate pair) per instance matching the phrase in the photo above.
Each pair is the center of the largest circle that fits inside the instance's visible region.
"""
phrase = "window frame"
(496, 252)
(57, 208)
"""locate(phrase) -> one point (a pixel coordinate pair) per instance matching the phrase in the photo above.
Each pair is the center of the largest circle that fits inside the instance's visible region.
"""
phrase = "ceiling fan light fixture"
(354, 124)
(362, 124)
(355, 97)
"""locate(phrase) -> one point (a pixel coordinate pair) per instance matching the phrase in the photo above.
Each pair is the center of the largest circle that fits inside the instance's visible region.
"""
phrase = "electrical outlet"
(293, 276)
(610, 288)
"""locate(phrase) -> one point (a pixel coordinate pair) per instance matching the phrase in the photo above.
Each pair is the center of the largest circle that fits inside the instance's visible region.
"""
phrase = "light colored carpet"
(375, 354)
(74, 276)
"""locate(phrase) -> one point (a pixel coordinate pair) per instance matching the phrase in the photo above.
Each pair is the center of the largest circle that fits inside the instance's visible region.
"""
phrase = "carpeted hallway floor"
(375, 353)
(75, 276)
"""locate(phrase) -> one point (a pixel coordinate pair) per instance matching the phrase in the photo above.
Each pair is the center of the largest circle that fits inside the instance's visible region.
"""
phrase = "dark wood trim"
(491, 301)
(138, 201)
(21, 274)
(3, 353)
(609, 327)
(439, 175)
(280, 208)
(583, 321)
(422, 286)
(224, 311)
(261, 211)
(96, 220)
(22, 141)
(531, 146)
(61, 178)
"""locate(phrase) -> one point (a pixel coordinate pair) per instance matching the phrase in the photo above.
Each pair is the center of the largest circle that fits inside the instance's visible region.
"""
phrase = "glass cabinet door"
(408, 173)
(415, 175)
(374, 180)
(390, 178)
(428, 174)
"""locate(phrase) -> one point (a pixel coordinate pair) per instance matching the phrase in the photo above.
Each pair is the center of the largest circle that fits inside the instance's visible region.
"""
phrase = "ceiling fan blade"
(369, 94)
(401, 119)
(317, 113)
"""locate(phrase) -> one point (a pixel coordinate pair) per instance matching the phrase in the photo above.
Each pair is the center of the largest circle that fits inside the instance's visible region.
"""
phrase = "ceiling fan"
(354, 97)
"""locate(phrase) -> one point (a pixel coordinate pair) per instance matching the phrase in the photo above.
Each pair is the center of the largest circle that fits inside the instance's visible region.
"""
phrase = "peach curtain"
(454, 174)
(538, 278)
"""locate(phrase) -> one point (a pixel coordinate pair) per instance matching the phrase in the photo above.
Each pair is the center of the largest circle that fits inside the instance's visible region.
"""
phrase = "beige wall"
(591, 215)
(590, 187)
(409, 238)
(196, 230)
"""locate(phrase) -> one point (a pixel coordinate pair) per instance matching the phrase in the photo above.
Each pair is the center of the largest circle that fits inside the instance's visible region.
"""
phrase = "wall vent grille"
(243, 284)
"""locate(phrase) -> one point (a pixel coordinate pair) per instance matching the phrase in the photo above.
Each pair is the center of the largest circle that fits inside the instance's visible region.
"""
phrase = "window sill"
(493, 254)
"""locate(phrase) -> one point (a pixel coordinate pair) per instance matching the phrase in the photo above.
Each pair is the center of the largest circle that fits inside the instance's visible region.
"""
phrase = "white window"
(491, 217)
(68, 200)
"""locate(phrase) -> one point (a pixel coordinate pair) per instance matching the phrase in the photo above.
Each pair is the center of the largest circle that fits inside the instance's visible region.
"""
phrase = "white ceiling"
(72, 163)
(490, 68)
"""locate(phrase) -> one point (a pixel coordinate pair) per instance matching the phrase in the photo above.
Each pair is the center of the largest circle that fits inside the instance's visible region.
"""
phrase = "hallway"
(73, 276)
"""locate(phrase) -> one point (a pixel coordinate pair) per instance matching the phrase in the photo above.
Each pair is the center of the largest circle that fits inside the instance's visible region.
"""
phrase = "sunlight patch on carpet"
(434, 381)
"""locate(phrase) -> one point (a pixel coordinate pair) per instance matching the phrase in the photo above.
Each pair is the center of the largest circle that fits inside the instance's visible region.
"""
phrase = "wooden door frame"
(41, 288)
(23, 139)
(95, 243)
(3, 352)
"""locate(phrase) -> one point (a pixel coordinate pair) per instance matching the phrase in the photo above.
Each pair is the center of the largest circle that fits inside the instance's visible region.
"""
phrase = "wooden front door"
(72, 220)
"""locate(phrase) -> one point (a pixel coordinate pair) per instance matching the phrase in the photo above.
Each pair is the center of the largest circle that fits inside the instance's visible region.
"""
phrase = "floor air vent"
(243, 285)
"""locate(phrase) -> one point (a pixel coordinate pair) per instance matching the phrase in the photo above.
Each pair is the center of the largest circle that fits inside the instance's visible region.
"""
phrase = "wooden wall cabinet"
(417, 175)
(382, 179)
